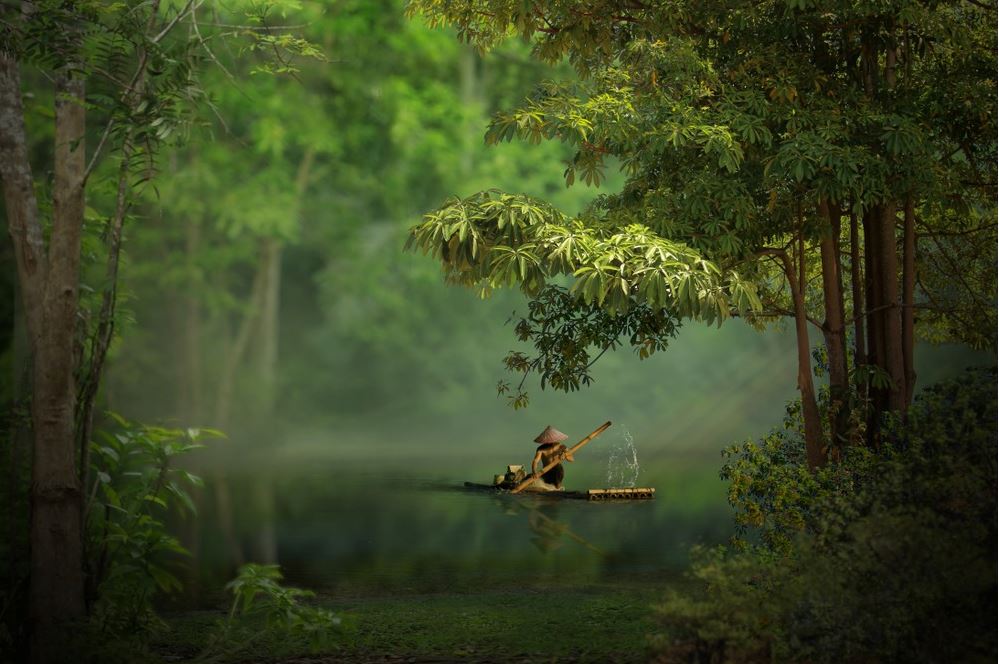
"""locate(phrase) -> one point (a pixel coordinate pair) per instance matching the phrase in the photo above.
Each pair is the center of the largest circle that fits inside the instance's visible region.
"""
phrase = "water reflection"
(547, 532)
(402, 531)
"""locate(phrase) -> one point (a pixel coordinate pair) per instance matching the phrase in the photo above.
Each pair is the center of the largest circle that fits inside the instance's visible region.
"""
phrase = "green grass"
(579, 624)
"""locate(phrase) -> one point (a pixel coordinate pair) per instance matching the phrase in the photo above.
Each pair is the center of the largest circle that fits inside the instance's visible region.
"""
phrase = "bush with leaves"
(888, 555)
(131, 557)
(263, 608)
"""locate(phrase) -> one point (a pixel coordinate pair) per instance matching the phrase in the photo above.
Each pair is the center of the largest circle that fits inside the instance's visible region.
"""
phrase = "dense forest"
(282, 275)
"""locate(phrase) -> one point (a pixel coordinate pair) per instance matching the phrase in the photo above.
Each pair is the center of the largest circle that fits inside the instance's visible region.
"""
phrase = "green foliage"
(390, 128)
(565, 334)
(887, 555)
(131, 556)
(733, 124)
(493, 240)
(263, 608)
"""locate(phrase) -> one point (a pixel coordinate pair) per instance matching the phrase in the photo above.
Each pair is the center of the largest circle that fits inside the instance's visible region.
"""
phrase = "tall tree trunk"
(49, 286)
(859, 307)
(272, 252)
(815, 455)
(265, 541)
(56, 533)
(892, 330)
(908, 294)
(857, 292)
(270, 264)
(235, 352)
(884, 319)
(834, 328)
(191, 393)
(875, 322)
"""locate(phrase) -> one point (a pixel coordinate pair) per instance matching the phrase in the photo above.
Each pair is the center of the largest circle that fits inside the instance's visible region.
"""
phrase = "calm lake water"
(351, 531)
(382, 509)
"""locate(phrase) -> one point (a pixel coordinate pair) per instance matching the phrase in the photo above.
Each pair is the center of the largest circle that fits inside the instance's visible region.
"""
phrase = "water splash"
(622, 463)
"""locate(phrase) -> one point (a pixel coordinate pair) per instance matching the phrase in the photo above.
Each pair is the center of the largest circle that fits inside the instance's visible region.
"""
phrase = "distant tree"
(392, 122)
(775, 152)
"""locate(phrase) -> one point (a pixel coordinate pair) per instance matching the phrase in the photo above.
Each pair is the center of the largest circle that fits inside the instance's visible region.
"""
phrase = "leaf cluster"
(492, 239)
(570, 336)
(131, 556)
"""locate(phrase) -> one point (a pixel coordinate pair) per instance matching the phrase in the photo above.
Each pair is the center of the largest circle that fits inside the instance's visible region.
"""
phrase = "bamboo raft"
(515, 481)
(636, 493)
(592, 495)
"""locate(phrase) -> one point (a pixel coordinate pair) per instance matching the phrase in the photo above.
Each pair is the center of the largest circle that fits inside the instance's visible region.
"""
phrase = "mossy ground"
(578, 624)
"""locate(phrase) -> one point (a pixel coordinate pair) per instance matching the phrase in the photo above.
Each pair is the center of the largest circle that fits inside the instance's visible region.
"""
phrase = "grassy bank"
(580, 624)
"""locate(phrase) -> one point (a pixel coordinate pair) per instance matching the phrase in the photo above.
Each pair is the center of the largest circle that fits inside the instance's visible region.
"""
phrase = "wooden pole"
(534, 478)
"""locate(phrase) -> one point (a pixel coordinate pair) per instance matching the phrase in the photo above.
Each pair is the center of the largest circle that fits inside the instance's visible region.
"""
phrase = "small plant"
(263, 609)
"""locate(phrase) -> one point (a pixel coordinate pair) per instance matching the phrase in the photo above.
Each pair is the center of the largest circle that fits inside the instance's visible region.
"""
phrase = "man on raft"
(550, 449)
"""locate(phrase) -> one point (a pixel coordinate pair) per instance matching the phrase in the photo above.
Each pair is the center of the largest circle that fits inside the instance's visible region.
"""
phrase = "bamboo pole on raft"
(534, 478)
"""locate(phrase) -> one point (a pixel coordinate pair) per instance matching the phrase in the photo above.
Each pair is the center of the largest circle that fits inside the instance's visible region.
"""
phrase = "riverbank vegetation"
(887, 556)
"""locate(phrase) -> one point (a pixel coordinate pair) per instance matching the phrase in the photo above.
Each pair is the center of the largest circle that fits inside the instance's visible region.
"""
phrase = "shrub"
(887, 555)
(131, 557)
(263, 609)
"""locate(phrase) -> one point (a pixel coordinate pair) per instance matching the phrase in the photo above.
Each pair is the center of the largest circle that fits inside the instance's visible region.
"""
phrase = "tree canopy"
(748, 131)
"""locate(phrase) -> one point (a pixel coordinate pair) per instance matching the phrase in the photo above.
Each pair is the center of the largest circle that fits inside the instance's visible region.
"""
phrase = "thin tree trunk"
(834, 329)
(857, 293)
(265, 540)
(815, 455)
(875, 337)
(101, 342)
(235, 352)
(857, 290)
(269, 335)
(192, 394)
(892, 329)
(223, 407)
(270, 265)
(908, 293)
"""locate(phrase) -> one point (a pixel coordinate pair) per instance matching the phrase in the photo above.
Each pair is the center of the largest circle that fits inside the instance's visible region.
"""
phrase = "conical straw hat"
(550, 435)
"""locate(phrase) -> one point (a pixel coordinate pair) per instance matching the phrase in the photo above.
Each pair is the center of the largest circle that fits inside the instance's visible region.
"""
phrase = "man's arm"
(566, 454)
(537, 458)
